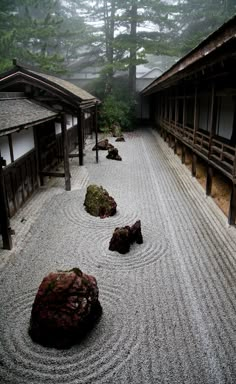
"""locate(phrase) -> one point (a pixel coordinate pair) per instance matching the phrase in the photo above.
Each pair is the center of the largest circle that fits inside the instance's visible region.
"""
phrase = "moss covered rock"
(98, 202)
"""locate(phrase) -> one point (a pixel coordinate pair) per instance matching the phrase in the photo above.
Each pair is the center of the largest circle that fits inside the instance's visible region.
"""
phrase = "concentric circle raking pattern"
(154, 246)
(99, 355)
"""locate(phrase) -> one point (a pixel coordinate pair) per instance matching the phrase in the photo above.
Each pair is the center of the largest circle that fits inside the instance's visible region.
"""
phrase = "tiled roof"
(16, 113)
(73, 89)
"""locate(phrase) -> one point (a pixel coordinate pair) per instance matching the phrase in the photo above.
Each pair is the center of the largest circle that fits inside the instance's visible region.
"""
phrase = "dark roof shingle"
(15, 113)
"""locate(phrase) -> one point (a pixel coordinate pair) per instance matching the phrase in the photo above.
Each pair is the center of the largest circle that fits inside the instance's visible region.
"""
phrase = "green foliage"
(43, 33)
(197, 19)
(115, 110)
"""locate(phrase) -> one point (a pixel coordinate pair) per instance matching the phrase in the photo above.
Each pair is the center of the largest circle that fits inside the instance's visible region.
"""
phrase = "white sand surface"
(169, 306)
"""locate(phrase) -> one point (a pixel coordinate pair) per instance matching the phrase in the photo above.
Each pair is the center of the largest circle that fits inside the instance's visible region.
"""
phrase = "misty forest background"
(116, 35)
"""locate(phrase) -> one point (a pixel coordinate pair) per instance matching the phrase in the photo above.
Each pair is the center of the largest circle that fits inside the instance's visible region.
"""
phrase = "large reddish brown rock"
(65, 308)
(123, 237)
(103, 145)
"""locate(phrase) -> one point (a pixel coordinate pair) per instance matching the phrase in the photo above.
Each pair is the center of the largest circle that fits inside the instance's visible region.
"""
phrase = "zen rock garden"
(98, 202)
(66, 307)
(123, 237)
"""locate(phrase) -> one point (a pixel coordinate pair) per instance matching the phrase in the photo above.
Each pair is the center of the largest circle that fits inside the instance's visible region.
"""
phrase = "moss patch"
(98, 202)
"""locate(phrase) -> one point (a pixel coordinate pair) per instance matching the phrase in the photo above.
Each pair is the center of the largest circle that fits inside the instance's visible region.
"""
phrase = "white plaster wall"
(22, 142)
(58, 128)
(69, 121)
(4, 148)
(225, 121)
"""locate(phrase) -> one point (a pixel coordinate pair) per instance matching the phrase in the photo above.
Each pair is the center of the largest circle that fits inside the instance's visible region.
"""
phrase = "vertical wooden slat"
(11, 147)
(183, 152)
(65, 153)
(232, 206)
(195, 116)
(96, 129)
(209, 180)
(212, 118)
(80, 135)
(40, 180)
(194, 164)
(4, 219)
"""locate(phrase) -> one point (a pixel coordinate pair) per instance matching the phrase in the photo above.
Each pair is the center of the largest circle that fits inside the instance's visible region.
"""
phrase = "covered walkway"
(169, 306)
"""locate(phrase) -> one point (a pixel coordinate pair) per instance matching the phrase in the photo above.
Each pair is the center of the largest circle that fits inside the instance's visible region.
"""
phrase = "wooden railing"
(20, 181)
(223, 154)
(219, 153)
(202, 142)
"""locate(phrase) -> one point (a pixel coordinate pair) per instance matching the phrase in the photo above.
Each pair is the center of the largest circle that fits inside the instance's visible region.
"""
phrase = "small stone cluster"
(113, 154)
(103, 145)
(98, 202)
(123, 237)
(120, 138)
(65, 309)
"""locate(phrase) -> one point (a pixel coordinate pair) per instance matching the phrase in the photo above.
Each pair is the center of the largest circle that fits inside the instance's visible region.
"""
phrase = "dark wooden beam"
(194, 164)
(4, 219)
(65, 153)
(213, 117)
(80, 135)
(196, 115)
(40, 180)
(72, 155)
(52, 174)
(183, 152)
(175, 145)
(209, 180)
(11, 147)
(232, 206)
(96, 129)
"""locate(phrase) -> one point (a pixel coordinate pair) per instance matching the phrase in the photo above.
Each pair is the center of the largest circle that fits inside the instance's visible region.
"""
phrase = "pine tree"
(197, 19)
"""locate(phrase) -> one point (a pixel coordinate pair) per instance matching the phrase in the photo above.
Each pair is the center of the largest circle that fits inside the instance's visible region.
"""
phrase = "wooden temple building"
(44, 121)
(193, 105)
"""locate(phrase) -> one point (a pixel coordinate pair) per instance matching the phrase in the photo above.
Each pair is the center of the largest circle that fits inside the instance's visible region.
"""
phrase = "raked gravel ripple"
(169, 305)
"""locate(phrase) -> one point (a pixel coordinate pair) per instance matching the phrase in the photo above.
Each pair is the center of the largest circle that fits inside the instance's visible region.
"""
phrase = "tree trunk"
(133, 47)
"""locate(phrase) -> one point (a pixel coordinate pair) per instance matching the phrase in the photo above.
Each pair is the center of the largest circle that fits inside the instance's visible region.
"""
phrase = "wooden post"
(175, 145)
(96, 129)
(176, 111)
(65, 153)
(4, 219)
(40, 180)
(212, 118)
(183, 152)
(184, 111)
(10, 147)
(232, 206)
(194, 164)
(209, 180)
(80, 135)
(195, 117)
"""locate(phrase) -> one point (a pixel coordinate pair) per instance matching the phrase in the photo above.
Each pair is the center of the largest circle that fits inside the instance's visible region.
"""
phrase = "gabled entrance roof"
(63, 89)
